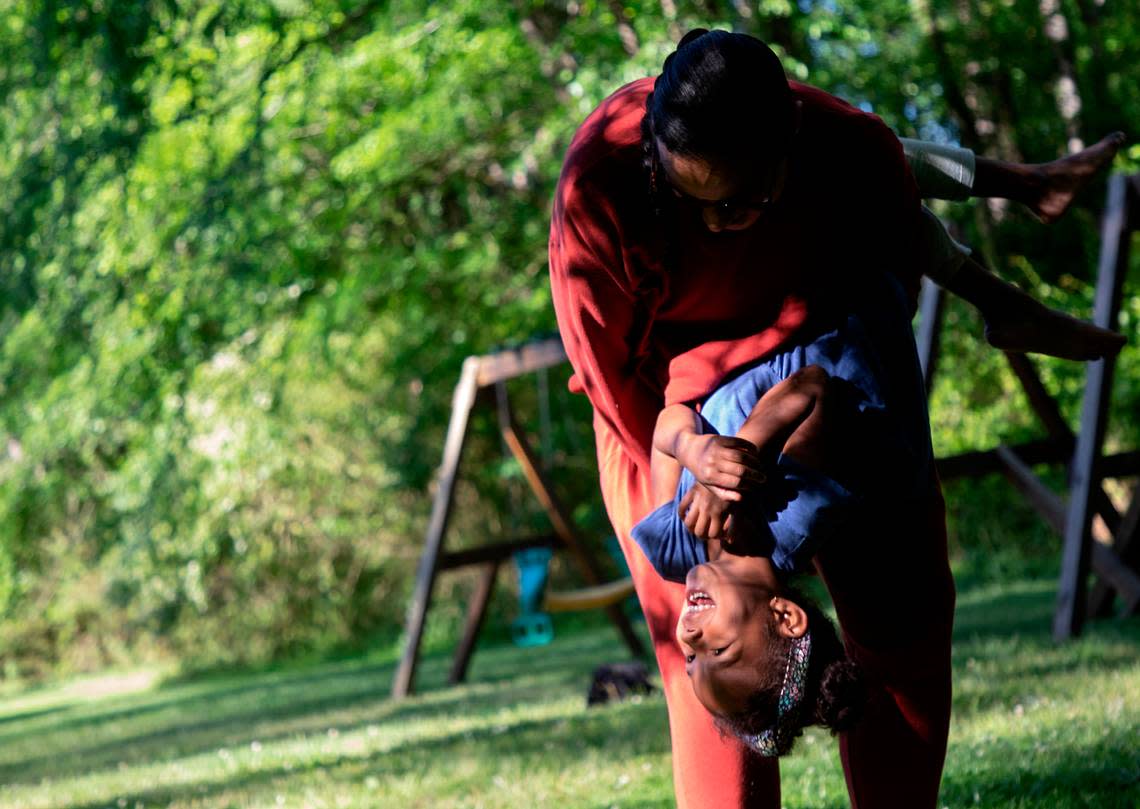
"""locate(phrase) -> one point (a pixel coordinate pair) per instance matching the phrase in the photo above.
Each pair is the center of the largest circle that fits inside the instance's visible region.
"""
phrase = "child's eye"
(690, 658)
(717, 652)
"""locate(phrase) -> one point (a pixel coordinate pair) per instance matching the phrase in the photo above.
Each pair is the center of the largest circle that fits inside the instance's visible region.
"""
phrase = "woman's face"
(725, 198)
(725, 631)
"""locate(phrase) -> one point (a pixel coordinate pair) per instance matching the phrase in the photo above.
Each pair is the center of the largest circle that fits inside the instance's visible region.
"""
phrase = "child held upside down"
(781, 443)
(783, 455)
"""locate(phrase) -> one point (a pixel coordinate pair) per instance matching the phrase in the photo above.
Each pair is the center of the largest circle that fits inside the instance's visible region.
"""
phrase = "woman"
(697, 224)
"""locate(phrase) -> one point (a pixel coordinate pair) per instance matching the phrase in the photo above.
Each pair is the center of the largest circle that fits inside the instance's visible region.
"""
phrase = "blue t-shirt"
(872, 351)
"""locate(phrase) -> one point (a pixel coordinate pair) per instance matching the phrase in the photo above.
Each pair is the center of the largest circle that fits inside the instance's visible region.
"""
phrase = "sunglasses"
(727, 209)
(750, 201)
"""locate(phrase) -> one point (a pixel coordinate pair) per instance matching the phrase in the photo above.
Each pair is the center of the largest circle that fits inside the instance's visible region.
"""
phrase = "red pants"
(894, 597)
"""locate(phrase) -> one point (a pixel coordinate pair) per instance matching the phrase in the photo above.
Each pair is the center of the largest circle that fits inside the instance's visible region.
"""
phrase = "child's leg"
(941, 171)
(1016, 322)
(1047, 189)
(942, 255)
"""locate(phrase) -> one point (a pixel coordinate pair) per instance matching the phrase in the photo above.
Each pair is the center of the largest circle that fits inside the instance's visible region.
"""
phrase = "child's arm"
(788, 416)
(724, 466)
(725, 463)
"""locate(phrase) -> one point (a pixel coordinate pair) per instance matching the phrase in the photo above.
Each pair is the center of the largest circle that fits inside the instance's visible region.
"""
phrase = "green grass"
(1035, 724)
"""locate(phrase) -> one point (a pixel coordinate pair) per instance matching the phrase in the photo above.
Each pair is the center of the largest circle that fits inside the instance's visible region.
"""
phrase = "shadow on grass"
(37, 713)
(191, 722)
(1004, 651)
(188, 695)
(1104, 774)
(271, 707)
(1027, 611)
(543, 745)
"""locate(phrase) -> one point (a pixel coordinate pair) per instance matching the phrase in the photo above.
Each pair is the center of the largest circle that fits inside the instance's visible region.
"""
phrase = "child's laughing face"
(730, 620)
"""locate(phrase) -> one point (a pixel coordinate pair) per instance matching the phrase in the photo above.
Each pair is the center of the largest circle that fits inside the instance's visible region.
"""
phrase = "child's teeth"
(698, 600)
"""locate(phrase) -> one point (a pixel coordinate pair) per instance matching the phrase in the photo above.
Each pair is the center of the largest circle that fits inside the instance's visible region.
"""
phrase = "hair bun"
(842, 695)
(695, 34)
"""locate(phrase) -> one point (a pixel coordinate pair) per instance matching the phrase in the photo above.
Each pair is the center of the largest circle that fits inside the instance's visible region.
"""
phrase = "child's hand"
(705, 514)
(725, 464)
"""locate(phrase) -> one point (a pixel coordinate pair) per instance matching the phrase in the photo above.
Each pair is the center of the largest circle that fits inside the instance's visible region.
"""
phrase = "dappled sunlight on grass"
(1035, 724)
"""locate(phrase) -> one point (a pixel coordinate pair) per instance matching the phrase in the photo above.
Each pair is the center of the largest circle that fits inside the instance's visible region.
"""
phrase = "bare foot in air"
(1037, 329)
(1062, 179)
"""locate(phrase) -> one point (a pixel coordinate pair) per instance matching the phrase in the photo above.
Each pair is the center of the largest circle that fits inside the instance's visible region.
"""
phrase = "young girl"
(780, 458)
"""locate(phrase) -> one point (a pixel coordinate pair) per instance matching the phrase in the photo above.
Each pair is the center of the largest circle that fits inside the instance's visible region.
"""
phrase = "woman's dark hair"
(835, 692)
(720, 96)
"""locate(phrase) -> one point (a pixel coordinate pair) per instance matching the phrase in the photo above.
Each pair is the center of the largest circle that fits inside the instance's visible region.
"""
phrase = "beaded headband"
(777, 740)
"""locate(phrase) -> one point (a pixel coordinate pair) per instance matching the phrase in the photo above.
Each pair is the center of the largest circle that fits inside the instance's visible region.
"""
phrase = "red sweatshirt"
(640, 337)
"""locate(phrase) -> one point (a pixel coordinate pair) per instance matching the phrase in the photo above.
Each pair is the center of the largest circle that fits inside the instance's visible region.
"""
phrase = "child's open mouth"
(697, 600)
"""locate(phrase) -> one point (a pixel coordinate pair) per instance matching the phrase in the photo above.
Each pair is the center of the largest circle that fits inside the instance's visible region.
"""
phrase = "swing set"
(482, 380)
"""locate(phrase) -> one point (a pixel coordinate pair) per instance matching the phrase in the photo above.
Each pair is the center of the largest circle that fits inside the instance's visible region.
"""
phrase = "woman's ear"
(791, 620)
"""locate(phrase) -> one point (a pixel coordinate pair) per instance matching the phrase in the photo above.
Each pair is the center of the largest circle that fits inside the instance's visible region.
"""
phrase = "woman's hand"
(727, 465)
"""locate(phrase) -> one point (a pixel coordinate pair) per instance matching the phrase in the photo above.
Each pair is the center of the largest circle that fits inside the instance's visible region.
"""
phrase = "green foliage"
(245, 247)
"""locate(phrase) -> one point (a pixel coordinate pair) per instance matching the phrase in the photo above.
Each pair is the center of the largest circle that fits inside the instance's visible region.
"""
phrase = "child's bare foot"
(1040, 330)
(1062, 179)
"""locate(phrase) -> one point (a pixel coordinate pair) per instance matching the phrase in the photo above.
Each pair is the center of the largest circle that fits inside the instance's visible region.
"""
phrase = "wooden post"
(1107, 564)
(1126, 543)
(479, 374)
(1045, 406)
(976, 463)
(1040, 496)
(559, 518)
(476, 610)
(1069, 617)
(462, 403)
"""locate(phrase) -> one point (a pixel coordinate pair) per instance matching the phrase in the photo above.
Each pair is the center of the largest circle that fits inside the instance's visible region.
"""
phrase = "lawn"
(1035, 724)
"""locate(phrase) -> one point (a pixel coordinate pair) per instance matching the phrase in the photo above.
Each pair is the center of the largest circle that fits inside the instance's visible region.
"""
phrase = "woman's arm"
(596, 309)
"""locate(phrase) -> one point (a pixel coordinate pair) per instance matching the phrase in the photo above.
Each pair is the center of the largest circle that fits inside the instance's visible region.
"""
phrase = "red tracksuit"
(640, 337)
